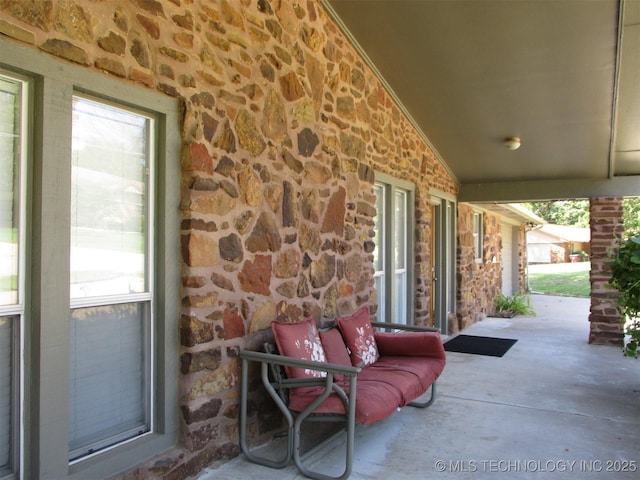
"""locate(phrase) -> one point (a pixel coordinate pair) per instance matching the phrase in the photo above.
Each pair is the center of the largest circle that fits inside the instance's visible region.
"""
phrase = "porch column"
(606, 231)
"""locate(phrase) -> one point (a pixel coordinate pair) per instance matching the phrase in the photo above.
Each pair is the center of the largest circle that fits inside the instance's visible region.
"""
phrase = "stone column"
(606, 231)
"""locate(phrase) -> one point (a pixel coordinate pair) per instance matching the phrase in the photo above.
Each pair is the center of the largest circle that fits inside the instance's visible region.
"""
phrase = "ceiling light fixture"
(512, 143)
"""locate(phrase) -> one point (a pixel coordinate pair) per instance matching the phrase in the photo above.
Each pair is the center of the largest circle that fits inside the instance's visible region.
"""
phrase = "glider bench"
(348, 373)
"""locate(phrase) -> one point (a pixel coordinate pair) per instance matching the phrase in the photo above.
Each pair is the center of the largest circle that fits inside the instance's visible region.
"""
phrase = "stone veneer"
(606, 231)
(478, 282)
(283, 128)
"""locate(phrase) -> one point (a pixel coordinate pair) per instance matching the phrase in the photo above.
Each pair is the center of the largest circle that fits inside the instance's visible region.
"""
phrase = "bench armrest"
(410, 344)
(403, 327)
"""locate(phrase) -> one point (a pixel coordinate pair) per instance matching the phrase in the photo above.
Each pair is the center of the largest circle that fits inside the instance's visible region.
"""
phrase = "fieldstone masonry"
(478, 282)
(606, 232)
(283, 128)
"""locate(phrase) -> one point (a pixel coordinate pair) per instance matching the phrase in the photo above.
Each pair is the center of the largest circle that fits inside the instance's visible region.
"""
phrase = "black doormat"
(491, 346)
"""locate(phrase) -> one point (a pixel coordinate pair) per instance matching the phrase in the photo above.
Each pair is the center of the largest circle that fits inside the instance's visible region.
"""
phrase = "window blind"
(108, 376)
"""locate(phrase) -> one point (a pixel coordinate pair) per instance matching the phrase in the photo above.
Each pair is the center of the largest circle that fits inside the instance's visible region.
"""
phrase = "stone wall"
(478, 282)
(283, 128)
(606, 231)
(522, 259)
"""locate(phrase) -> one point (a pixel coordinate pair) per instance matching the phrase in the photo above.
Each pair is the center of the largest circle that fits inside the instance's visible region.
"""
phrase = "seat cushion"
(375, 401)
(299, 340)
(426, 370)
(359, 337)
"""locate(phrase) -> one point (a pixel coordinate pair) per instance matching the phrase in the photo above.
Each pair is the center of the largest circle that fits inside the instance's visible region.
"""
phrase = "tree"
(576, 213)
(562, 212)
(631, 216)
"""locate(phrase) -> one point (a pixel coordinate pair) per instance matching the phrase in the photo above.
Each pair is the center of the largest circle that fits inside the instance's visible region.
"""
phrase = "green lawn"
(567, 279)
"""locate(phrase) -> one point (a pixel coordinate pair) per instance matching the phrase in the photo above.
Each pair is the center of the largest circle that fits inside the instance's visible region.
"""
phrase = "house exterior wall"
(522, 258)
(283, 127)
(478, 282)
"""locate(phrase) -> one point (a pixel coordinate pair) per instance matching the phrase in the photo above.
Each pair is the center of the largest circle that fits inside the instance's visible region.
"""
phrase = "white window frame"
(45, 367)
(389, 297)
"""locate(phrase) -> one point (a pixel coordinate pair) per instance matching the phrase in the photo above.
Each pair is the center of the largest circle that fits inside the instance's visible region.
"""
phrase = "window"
(111, 279)
(477, 236)
(95, 390)
(12, 149)
(393, 255)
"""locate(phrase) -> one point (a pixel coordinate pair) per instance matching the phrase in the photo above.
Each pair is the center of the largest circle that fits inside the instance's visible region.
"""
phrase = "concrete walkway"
(552, 407)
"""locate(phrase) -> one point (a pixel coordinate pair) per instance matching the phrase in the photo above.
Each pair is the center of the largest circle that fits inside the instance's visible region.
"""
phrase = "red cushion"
(414, 344)
(335, 349)
(425, 369)
(375, 401)
(358, 335)
(299, 340)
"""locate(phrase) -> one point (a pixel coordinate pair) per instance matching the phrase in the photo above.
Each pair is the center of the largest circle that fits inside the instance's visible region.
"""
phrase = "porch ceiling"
(563, 75)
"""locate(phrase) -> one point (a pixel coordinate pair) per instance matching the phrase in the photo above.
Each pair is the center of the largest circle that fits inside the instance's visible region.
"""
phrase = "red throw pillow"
(334, 348)
(299, 340)
(358, 335)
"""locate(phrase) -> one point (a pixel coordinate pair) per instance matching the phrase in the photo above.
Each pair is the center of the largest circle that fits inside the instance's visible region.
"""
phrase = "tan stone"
(249, 137)
(38, 14)
(250, 187)
(317, 173)
(265, 235)
(214, 203)
(16, 32)
(273, 196)
(291, 87)
(151, 25)
(185, 21)
(309, 239)
(230, 15)
(330, 302)
(274, 120)
(174, 54)
(201, 301)
(74, 21)
(225, 378)
(194, 331)
(346, 108)
(199, 250)
(112, 66)
(64, 49)
(113, 43)
(313, 38)
(322, 271)
(263, 316)
(353, 268)
(151, 6)
(227, 139)
(287, 264)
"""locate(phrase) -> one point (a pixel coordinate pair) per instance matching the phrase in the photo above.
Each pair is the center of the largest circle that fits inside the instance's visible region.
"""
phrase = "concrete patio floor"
(552, 406)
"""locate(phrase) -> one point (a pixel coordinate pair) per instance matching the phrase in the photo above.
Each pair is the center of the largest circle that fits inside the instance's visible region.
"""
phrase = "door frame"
(443, 258)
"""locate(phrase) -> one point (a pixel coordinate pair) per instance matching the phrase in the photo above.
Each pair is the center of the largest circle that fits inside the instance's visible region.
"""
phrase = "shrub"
(519, 304)
(625, 277)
